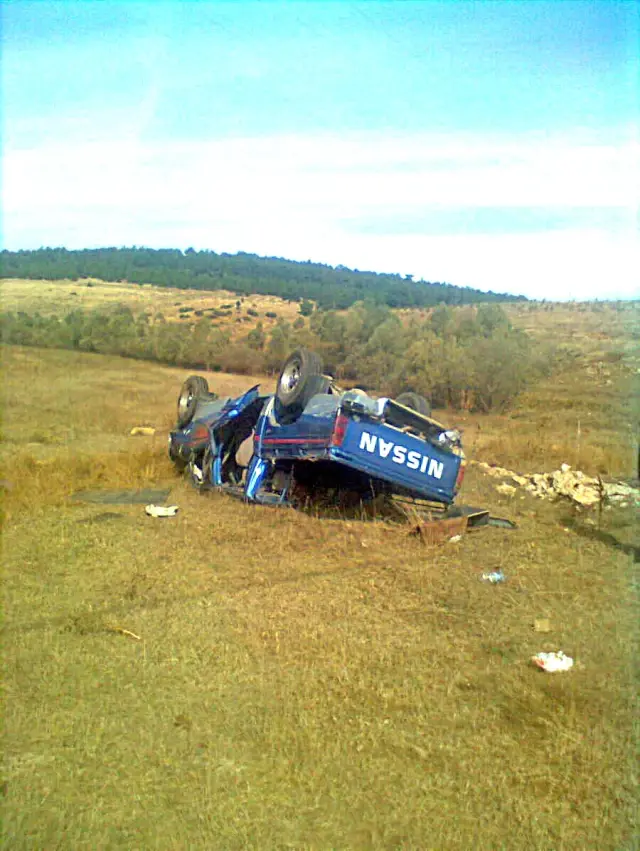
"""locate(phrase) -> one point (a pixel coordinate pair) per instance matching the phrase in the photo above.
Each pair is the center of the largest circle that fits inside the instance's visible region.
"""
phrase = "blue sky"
(492, 144)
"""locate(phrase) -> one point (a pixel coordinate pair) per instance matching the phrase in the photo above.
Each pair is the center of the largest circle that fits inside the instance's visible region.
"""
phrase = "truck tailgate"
(392, 454)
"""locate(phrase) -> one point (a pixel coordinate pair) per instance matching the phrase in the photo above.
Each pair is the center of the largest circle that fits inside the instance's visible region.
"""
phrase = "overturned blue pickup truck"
(311, 435)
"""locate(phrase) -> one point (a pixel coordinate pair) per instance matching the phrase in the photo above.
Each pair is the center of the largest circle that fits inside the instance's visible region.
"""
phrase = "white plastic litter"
(161, 510)
(552, 662)
(494, 577)
(455, 539)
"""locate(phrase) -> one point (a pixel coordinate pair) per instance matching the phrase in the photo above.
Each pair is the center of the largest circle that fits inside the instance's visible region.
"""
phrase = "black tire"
(193, 389)
(297, 381)
(416, 402)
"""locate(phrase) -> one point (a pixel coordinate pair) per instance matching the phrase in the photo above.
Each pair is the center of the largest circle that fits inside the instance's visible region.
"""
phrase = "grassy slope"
(586, 414)
(300, 682)
(59, 297)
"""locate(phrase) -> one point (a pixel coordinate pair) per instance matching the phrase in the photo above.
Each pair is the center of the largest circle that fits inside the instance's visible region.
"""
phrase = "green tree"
(279, 346)
(422, 369)
(256, 338)
(442, 320)
(377, 361)
(492, 318)
(501, 370)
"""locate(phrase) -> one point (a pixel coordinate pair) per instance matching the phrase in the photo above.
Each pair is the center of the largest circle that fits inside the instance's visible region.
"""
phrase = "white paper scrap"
(161, 510)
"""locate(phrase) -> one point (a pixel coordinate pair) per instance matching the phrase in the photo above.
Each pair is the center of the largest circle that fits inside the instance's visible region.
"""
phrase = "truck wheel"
(416, 402)
(297, 382)
(193, 389)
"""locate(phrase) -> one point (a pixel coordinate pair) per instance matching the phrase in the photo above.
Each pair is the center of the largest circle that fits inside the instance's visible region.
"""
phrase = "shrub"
(466, 358)
(256, 338)
(242, 359)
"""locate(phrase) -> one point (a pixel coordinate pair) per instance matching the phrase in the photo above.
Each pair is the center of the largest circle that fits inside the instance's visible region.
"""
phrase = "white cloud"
(304, 197)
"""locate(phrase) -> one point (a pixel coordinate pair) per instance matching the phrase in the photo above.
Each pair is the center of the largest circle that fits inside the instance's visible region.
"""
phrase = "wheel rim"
(184, 403)
(290, 377)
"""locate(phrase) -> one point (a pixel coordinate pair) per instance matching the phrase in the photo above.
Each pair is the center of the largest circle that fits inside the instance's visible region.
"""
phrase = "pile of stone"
(565, 482)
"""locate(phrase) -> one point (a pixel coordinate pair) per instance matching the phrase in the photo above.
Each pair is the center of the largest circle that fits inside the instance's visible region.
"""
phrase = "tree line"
(468, 358)
(244, 274)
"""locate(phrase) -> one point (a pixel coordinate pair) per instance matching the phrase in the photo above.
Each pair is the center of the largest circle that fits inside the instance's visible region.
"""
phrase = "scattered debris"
(455, 539)
(440, 531)
(494, 577)
(565, 482)
(161, 510)
(542, 625)
(552, 662)
(146, 431)
(501, 523)
(453, 524)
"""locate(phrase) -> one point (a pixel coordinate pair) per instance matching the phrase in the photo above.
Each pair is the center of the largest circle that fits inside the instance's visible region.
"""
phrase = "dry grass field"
(587, 413)
(239, 677)
(59, 297)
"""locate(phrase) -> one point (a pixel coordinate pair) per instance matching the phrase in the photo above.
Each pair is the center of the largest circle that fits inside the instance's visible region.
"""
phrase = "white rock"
(585, 496)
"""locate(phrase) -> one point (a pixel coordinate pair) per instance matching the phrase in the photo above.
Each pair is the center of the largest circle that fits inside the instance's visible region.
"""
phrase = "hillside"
(243, 274)
(61, 296)
(445, 353)
(466, 358)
